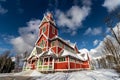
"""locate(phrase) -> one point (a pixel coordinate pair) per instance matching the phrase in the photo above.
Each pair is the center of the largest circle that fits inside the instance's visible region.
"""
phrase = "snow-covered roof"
(46, 53)
(65, 41)
(81, 56)
(66, 53)
(84, 53)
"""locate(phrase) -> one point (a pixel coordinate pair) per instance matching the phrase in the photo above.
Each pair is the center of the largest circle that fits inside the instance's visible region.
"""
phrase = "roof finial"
(49, 14)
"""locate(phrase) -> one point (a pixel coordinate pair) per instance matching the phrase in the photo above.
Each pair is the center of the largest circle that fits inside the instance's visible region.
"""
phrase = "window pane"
(42, 43)
(53, 43)
(44, 29)
(61, 59)
(71, 59)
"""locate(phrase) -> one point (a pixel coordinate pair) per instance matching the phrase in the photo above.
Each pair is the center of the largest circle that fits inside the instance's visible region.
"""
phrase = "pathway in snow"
(101, 74)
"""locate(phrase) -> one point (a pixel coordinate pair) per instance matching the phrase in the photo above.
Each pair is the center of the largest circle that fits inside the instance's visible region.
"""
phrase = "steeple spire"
(49, 16)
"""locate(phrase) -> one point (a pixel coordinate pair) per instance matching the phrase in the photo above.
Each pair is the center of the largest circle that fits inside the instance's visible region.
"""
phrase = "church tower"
(47, 31)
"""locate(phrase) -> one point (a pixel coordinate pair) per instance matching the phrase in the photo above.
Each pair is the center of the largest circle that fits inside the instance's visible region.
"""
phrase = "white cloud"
(89, 30)
(94, 31)
(87, 2)
(111, 4)
(27, 38)
(3, 10)
(72, 19)
(95, 42)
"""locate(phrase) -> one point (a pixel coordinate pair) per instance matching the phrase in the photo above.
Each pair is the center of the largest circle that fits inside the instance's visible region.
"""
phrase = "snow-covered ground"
(101, 74)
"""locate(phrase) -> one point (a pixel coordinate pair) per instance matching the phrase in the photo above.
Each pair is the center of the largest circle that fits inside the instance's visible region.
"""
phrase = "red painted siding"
(51, 34)
(78, 65)
(72, 65)
(85, 64)
(54, 49)
(59, 50)
(61, 65)
(45, 24)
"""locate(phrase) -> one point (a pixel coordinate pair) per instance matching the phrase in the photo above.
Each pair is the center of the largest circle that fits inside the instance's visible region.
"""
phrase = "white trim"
(68, 62)
(42, 20)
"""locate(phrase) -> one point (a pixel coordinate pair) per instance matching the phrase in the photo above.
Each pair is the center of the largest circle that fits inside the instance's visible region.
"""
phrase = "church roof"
(72, 45)
(78, 56)
(48, 18)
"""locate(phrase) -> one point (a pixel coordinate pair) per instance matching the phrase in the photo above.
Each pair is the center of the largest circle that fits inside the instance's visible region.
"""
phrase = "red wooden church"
(52, 53)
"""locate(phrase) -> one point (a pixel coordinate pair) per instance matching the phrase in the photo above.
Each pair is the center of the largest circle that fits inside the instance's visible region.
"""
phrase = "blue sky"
(80, 21)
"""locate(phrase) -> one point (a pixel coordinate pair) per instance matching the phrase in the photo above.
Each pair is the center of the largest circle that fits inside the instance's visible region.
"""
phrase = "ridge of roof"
(72, 45)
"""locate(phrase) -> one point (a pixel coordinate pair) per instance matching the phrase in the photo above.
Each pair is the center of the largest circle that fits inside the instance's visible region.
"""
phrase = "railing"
(44, 67)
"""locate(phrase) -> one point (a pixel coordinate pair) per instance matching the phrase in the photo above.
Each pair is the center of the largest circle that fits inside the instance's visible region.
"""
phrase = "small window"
(53, 30)
(53, 43)
(44, 29)
(42, 44)
(71, 59)
(61, 59)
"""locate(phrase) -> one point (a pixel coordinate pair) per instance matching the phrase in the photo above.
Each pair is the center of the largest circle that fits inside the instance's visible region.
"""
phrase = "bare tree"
(6, 64)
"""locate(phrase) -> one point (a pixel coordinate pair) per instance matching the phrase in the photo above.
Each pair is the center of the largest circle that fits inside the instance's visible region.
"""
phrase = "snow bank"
(36, 73)
(101, 74)
(31, 73)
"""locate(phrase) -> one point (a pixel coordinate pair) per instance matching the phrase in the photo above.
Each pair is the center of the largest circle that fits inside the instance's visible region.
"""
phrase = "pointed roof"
(48, 17)
(72, 45)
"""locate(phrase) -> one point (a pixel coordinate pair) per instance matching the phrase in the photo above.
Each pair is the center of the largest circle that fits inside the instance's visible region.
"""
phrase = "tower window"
(44, 29)
(42, 44)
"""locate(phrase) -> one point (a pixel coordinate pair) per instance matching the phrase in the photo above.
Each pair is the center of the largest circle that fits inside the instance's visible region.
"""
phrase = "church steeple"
(47, 30)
